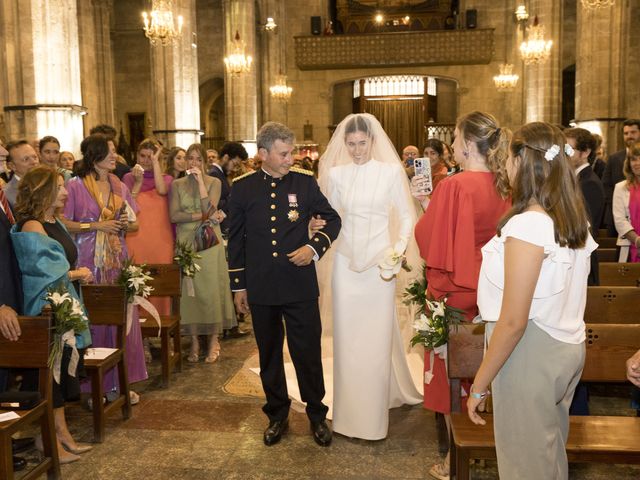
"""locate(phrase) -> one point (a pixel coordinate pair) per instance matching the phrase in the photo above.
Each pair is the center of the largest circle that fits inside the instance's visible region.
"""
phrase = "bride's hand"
(316, 224)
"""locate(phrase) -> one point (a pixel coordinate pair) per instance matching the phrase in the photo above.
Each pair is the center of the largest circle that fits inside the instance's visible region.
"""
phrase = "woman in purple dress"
(100, 210)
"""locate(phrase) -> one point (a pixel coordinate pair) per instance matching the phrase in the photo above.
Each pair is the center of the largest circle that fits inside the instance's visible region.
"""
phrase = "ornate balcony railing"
(375, 50)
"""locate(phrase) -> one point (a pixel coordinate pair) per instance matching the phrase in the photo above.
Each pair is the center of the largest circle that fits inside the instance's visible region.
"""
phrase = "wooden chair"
(591, 438)
(612, 305)
(615, 274)
(107, 305)
(31, 351)
(166, 283)
(606, 242)
(607, 255)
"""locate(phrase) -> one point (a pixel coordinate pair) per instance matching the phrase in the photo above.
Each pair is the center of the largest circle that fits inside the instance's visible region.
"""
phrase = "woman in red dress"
(462, 216)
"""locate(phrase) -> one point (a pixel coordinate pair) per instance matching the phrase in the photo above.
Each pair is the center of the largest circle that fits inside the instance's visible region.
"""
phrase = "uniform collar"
(268, 176)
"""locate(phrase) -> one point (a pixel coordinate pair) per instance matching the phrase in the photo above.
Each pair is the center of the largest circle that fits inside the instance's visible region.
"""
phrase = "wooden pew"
(607, 255)
(606, 242)
(31, 350)
(166, 283)
(107, 305)
(612, 338)
(619, 274)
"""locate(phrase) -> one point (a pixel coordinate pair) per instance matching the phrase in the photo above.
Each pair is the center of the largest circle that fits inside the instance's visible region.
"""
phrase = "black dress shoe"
(19, 464)
(22, 444)
(234, 332)
(275, 430)
(322, 434)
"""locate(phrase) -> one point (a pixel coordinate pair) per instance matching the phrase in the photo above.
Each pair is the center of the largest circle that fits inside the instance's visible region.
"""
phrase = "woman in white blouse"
(532, 292)
(626, 207)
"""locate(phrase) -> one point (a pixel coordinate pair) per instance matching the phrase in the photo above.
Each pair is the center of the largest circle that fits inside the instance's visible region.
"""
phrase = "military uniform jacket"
(269, 218)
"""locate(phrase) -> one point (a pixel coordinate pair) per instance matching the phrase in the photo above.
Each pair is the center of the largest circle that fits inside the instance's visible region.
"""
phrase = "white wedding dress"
(370, 369)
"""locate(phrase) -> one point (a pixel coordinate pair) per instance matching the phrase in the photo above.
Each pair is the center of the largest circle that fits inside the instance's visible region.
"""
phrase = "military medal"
(293, 215)
(293, 200)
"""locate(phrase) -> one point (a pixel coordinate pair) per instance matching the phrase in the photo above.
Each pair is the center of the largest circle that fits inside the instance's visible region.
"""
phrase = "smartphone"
(422, 169)
(122, 212)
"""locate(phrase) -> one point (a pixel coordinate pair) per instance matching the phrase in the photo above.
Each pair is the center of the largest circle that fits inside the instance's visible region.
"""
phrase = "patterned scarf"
(108, 248)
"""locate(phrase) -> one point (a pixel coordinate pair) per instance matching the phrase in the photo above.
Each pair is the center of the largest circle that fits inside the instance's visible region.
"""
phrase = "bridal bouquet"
(391, 263)
(134, 278)
(70, 319)
(186, 257)
(432, 326)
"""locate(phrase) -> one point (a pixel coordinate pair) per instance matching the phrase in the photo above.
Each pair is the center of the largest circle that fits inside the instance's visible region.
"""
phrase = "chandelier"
(596, 4)
(238, 62)
(161, 29)
(281, 91)
(535, 49)
(507, 80)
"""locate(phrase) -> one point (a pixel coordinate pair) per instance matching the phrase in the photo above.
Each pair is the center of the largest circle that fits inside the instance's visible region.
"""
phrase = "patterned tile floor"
(194, 430)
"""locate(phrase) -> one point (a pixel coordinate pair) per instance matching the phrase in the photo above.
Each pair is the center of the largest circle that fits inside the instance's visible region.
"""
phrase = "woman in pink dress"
(461, 217)
(92, 212)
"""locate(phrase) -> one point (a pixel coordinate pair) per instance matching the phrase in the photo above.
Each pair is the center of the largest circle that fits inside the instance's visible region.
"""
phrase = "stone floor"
(194, 430)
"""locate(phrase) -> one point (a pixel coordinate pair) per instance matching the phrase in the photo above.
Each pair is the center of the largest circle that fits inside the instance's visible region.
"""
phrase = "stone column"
(41, 74)
(96, 61)
(603, 86)
(240, 92)
(175, 99)
(543, 82)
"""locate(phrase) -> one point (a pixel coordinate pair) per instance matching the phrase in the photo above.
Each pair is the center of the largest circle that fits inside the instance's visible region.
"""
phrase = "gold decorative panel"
(447, 47)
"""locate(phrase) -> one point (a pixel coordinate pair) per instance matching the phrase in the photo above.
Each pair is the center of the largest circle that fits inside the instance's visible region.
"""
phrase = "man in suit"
(10, 299)
(230, 152)
(21, 158)
(273, 276)
(613, 170)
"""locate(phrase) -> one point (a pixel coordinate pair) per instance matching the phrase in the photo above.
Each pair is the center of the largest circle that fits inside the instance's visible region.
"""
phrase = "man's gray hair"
(272, 131)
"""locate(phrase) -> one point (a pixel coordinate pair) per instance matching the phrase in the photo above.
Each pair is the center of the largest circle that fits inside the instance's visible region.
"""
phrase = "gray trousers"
(531, 398)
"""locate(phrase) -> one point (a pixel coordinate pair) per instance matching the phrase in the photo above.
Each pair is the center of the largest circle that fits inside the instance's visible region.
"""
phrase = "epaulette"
(244, 175)
(302, 171)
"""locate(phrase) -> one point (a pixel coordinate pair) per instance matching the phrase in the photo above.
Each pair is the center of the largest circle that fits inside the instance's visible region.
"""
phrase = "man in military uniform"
(272, 274)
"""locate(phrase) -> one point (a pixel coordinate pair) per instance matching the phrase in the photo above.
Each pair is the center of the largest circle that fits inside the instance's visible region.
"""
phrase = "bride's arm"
(401, 202)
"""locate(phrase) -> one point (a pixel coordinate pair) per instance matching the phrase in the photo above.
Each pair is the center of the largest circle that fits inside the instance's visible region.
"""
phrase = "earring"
(465, 153)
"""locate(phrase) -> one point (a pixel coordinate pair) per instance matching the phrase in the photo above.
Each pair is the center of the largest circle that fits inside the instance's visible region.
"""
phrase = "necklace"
(51, 219)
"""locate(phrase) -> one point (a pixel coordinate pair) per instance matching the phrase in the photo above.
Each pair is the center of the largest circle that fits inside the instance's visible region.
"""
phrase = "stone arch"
(212, 117)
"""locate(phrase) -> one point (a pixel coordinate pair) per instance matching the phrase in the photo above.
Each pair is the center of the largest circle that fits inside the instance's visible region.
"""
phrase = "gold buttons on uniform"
(273, 207)
(273, 219)
(273, 242)
(324, 249)
(236, 280)
(316, 239)
(273, 230)
(275, 254)
(273, 195)
(273, 184)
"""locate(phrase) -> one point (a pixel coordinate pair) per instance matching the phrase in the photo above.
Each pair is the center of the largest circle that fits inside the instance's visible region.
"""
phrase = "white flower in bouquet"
(390, 264)
(57, 298)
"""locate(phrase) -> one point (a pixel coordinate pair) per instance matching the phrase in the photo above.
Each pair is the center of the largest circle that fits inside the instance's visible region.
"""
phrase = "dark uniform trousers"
(269, 218)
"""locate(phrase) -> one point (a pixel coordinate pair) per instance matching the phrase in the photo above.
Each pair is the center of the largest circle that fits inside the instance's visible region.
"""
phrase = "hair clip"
(568, 149)
(552, 152)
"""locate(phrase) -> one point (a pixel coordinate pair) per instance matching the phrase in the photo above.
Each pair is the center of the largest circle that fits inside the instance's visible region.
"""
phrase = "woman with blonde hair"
(626, 207)
(532, 294)
(462, 216)
(193, 199)
(47, 258)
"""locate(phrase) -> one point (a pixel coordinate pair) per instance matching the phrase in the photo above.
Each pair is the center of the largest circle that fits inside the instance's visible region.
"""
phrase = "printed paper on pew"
(99, 353)
(5, 417)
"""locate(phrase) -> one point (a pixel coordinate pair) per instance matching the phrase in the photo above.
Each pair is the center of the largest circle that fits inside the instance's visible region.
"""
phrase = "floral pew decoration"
(186, 257)
(134, 278)
(70, 319)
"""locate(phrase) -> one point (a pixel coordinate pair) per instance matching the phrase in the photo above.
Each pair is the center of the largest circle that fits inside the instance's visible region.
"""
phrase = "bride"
(362, 176)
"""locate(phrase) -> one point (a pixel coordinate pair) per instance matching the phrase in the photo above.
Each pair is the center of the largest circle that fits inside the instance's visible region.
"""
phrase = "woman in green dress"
(211, 308)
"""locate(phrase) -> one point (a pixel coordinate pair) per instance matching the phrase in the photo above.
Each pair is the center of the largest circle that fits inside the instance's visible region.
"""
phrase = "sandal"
(212, 357)
(439, 471)
(134, 397)
(194, 353)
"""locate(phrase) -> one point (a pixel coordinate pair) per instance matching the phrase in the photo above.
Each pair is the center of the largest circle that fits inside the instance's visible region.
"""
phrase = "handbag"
(205, 235)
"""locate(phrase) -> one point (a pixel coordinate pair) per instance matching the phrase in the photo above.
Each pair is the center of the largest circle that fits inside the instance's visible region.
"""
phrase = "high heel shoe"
(212, 357)
(194, 354)
(80, 447)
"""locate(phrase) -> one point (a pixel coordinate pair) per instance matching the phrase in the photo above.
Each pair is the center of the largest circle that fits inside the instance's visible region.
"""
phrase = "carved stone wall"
(456, 47)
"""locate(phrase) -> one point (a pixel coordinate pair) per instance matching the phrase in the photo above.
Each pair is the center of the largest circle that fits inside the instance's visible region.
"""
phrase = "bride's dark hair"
(358, 124)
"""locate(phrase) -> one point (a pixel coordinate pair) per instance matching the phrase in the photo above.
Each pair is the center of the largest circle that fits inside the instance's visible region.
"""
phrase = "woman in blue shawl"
(46, 256)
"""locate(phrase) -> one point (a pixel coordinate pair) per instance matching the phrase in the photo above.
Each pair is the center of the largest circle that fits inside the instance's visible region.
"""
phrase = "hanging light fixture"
(270, 25)
(281, 91)
(238, 63)
(159, 25)
(535, 49)
(506, 81)
(596, 4)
